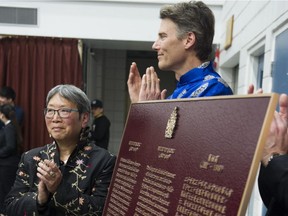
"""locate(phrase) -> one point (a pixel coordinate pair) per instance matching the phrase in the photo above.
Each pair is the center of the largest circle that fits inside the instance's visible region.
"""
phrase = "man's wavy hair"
(196, 17)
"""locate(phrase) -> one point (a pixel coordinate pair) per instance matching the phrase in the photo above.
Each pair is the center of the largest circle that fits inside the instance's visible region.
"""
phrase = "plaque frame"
(145, 152)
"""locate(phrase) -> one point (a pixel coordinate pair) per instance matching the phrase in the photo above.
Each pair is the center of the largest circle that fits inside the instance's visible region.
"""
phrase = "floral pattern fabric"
(83, 190)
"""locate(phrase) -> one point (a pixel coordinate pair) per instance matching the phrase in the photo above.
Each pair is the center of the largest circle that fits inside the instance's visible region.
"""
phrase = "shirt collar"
(195, 73)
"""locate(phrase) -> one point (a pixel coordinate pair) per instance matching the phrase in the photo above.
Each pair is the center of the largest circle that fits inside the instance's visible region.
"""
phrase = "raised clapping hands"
(147, 88)
(277, 140)
(50, 177)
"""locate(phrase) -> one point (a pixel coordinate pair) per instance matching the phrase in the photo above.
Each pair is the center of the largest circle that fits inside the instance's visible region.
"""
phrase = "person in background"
(273, 175)
(10, 140)
(69, 176)
(184, 45)
(7, 96)
(100, 130)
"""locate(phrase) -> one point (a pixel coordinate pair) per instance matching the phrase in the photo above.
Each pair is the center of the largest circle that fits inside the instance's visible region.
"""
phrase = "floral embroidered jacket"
(83, 190)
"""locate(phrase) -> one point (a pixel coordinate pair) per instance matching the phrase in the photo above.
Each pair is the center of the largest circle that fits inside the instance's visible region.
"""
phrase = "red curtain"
(32, 66)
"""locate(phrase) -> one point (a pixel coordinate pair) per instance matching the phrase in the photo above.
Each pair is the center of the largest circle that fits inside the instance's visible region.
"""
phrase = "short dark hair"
(8, 92)
(196, 17)
(8, 111)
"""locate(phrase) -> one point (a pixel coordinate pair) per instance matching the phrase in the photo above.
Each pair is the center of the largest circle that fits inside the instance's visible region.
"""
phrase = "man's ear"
(190, 40)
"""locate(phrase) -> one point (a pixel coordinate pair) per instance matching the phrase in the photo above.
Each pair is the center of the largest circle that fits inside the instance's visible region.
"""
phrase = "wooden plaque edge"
(258, 153)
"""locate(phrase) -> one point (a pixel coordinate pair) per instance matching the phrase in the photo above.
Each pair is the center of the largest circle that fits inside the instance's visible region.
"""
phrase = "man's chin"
(162, 66)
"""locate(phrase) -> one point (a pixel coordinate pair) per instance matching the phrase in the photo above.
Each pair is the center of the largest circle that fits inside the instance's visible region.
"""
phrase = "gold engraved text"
(164, 152)
(212, 163)
(155, 192)
(200, 197)
(134, 146)
(123, 187)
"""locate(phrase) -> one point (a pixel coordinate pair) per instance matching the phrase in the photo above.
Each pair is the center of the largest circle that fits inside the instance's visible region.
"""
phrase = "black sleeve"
(9, 146)
(273, 185)
(21, 199)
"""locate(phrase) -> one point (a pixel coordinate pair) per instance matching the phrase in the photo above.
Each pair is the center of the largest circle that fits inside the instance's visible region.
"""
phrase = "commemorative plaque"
(190, 156)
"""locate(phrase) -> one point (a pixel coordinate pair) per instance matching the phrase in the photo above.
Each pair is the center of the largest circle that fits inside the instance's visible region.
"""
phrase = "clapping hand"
(277, 140)
(147, 88)
(50, 177)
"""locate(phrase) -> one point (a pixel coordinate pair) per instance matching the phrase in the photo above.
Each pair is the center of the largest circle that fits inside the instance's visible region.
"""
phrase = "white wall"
(255, 24)
(98, 20)
(109, 20)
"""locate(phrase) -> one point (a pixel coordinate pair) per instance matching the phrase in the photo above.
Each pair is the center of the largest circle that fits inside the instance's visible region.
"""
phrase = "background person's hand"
(277, 140)
(251, 90)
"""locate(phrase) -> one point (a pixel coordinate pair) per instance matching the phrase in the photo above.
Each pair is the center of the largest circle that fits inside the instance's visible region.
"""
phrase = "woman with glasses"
(71, 175)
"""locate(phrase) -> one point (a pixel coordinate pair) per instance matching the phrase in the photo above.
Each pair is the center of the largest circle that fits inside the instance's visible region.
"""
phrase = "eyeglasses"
(63, 113)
